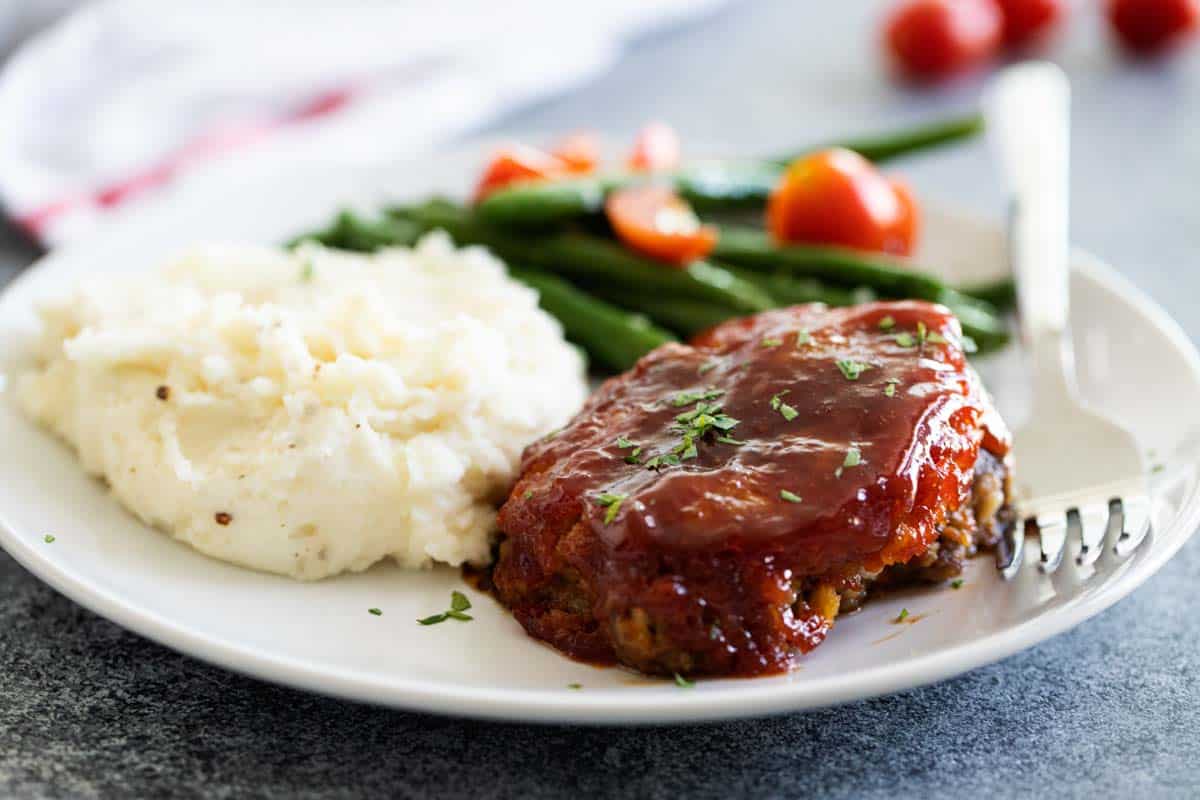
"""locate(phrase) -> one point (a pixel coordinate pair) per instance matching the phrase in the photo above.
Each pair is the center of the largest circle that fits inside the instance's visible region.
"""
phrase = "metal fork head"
(1080, 478)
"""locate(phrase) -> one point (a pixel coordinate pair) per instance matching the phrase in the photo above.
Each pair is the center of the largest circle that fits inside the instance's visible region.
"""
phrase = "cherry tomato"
(656, 147)
(655, 221)
(517, 163)
(1147, 27)
(838, 197)
(1027, 21)
(579, 152)
(935, 39)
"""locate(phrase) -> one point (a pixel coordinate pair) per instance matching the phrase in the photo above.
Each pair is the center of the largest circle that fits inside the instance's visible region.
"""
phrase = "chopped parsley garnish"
(785, 411)
(574, 685)
(903, 615)
(729, 440)
(1157, 468)
(682, 682)
(890, 389)
(852, 369)
(375, 612)
(612, 502)
(905, 339)
(887, 323)
(687, 398)
(706, 367)
(528, 494)
(853, 459)
(935, 338)
(663, 460)
(956, 583)
(458, 605)
(791, 497)
(803, 338)
(771, 342)
(48, 539)
(634, 457)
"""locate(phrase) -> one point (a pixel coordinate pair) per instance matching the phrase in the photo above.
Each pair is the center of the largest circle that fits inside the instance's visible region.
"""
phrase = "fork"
(1086, 476)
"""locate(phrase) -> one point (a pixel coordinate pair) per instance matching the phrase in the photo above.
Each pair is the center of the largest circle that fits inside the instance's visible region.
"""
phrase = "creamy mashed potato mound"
(313, 412)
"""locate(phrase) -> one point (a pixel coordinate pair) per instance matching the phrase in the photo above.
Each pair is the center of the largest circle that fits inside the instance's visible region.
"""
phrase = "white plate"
(1134, 363)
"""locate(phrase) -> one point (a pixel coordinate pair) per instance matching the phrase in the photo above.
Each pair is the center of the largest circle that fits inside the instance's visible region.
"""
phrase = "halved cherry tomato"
(935, 39)
(655, 221)
(838, 197)
(656, 147)
(579, 152)
(1027, 21)
(1147, 27)
(517, 163)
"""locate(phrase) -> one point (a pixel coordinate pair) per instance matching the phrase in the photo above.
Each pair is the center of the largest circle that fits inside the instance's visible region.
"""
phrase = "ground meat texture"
(713, 510)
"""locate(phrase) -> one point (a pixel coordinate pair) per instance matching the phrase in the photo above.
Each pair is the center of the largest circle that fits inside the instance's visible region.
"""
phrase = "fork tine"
(1135, 524)
(1093, 519)
(1010, 550)
(1053, 528)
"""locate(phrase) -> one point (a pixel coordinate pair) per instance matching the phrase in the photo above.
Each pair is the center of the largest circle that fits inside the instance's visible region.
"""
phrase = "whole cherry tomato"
(656, 147)
(837, 197)
(1027, 21)
(655, 221)
(1147, 27)
(935, 39)
(517, 163)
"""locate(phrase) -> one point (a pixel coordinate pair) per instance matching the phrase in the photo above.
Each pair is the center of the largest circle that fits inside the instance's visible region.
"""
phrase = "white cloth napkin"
(124, 97)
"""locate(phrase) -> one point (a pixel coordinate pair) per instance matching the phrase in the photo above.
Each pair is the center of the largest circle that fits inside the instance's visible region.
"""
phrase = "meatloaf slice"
(713, 510)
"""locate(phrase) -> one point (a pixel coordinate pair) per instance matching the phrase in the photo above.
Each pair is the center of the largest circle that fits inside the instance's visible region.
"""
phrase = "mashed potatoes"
(308, 413)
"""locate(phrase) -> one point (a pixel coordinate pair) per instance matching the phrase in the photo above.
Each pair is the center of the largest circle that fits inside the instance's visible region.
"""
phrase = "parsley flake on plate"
(458, 606)
(682, 682)
(791, 497)
(887, 323)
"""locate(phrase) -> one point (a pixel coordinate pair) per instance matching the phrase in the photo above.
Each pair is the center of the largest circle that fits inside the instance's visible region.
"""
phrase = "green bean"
(611, 336)
(708, 185)
(351, 232)
(885, 147)
(580, 257)
(682, 316)
(754, 250)
(1002, 293)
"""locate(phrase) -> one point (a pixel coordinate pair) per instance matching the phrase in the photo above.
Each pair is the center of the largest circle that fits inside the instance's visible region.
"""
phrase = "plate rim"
(609, 706)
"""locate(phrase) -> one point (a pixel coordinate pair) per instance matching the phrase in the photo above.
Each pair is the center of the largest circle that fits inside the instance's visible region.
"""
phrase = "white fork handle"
(1028, 119)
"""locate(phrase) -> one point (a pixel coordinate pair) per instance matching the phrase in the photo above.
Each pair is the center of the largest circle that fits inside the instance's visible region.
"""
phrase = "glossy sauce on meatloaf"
(703, 511)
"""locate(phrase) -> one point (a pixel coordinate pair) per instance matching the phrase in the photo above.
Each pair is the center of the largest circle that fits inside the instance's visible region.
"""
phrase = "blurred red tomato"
(655, 221)
(1147, 27)
(517, 163)
(935, 39)
(580, 152)
(1027, 21)
(838, 197)
(655, 147)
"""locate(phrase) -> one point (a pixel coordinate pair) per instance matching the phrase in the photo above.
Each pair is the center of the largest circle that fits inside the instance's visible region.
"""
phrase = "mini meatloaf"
(714, 509)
